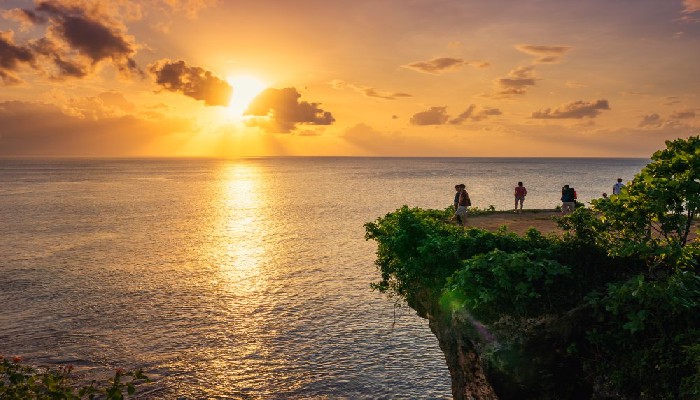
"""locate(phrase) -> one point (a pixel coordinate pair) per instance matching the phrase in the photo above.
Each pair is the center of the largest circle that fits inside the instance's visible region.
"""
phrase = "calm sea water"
(237, 278)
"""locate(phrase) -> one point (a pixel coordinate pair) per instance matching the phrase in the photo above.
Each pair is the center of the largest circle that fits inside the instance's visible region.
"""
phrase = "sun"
(245, 89)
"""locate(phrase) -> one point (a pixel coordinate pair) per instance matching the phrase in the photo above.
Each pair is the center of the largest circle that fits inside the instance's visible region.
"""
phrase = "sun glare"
(245, 88)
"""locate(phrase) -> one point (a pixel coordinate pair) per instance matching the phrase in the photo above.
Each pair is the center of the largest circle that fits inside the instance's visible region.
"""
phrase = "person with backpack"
(458, 191)
(462, 204)
(520, 193)
(568, 199)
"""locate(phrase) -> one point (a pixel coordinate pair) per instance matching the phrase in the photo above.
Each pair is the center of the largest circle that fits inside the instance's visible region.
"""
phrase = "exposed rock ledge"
(461, 339)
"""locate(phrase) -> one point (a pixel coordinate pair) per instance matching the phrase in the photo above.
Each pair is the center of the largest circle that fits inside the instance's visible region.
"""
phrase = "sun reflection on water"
(241, 254)
(241, 233)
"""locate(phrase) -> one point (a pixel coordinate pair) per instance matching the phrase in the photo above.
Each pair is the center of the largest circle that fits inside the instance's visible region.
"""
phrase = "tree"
(653, 215)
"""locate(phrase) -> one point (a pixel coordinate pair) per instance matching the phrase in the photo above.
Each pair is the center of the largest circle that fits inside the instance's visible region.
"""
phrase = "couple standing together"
(462, 201)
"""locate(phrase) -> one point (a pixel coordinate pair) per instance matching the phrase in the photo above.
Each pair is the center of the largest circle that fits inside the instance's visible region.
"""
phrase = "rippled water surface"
(237, 278)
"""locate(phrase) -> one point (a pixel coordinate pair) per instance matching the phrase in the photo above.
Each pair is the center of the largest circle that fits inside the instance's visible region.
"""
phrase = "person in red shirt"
(520, 193)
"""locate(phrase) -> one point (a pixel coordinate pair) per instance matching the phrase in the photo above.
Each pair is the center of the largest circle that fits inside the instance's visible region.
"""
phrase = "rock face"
(543, 371)
(460, 339)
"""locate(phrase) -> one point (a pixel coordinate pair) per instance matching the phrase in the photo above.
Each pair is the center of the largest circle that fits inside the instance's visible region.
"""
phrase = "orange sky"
(357, 78)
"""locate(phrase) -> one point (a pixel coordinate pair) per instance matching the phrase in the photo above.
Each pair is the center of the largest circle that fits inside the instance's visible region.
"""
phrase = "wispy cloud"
(440, 65)
(517, 82)
(691, 6)
(653, 120)
(575, 110)
(686, 114)
(474, 113)
(369, 91)
(439, 115)
(690, 10)
(544, 54)
(677, 119)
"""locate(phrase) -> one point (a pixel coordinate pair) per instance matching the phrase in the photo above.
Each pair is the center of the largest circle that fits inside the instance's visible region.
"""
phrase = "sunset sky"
(229, 78)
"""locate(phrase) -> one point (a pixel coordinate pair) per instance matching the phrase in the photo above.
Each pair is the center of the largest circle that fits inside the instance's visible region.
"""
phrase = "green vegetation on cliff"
(609, 309)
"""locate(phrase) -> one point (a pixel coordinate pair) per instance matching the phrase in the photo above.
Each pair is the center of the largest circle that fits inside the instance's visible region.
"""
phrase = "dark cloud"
(517, 81)
(651, 120)
(95, 39)
(369, 91)
(11, 57)
(36, 129)
(688, 114)
(576, 110)
(439, 65)
(279, 110)
(195, 82)
(677, 119)
(77, 39)
(433, 116)
(472, 113)
(544, 54)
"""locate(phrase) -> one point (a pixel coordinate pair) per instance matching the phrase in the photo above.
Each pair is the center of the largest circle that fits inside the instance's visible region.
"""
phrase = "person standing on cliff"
(462, 204)
(520, 193)
(617, 188)
(458, 190)
(568, 200)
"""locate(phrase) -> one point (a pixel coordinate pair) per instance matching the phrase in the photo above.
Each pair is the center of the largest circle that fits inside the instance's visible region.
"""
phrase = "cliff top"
(542, 220)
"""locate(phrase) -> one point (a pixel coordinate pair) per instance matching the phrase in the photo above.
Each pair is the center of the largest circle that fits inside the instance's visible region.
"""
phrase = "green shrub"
(21, 382)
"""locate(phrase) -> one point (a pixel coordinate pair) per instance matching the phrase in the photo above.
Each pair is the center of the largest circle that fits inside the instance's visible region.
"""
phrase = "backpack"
(569, 195)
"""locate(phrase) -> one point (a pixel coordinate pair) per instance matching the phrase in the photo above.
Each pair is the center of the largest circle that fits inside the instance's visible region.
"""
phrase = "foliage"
(645, 336)
(417, 249)
(652, 216)
(19, 382)
(522, 284)
(610, 304)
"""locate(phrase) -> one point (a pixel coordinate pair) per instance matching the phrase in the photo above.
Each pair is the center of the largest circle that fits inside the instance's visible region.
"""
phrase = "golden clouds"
(440, 65)
(576, 110)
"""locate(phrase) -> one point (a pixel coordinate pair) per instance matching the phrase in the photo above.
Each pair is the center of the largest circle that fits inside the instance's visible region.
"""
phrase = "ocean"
(244, 278)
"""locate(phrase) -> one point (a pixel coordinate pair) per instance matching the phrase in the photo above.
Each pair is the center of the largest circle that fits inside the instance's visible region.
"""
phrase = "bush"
(20, 382)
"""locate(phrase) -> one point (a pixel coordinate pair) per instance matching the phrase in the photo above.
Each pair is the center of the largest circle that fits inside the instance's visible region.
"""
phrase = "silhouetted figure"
(458, 189)
(520, 193)
(617, 188)
(462, 203)
(568, 199)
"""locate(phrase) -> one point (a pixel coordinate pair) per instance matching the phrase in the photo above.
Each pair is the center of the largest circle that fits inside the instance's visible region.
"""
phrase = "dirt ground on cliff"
(542, 220)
